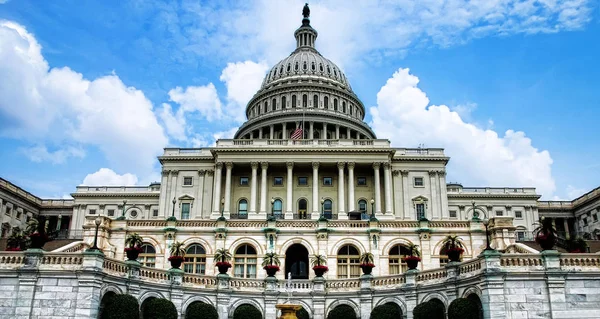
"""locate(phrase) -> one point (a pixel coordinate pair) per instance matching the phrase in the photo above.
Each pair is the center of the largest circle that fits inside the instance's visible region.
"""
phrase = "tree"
(121, 307)
(386, 311)
(463, 308)
(200, 310)
(342, 312)
(247, 311)
(302, 314)
(160, 308)
(429, 310)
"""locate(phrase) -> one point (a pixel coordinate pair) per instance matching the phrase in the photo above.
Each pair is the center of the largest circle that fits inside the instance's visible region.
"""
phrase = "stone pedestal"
(551, 259)
(93, 260)
(33, 257)
(288, 311)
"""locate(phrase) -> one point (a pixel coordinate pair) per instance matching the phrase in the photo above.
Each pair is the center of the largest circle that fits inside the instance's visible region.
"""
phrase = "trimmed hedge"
(121, 307)
(160, 308)
(429, 310)
(386, 311)
(200, 310)
(302, 314)
(247, 311)
(463, 308)
(342, 312)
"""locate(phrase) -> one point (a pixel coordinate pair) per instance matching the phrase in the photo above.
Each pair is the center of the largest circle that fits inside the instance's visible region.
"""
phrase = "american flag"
(297, 134)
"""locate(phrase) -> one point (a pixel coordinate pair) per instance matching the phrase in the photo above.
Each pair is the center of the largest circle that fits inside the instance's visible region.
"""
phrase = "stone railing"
(348, 224)
(11, 260)
(146, 223)
(469, 267)
(199, 281)
(197, 223)
(154, 274)
(399, 224)
(491, 190)
(246, 284)
(61, 260)
(115, 267)
(386, 282)
(512, 261)
(449, 224)
(304, 143)
(342, 284)
(296, 224)
(432, 275)
(579, 261)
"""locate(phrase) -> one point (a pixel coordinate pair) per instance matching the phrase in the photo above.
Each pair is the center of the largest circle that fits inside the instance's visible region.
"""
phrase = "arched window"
(281, 70)
(444, 257)
(362, 208)
(304, 100)
(326, 102)
(244, 263)
(243, 208)
(296, 66)
(348, 262)
(283, 106)
(302, 207)
(293, 101)
(343, 107)
(273, 104)
(335, 105)
(321, 67)
(335, 72)
(277, 208)
(195, 260)
(265, 108)
(148, 255)
(327, 209)
(351, 109)
(328, 70)
(396, 263)
(305, 66)
(289, 68)
(315, 101)
(313, 66)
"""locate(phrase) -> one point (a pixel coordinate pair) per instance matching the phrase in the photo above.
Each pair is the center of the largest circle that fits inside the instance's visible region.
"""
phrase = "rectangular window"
(185, 210)
(187, 181)
(520, 236)
(420, 211)
(499, 213)
(585, 221)
(111, 212)
(18, 215)
(452, 214)
(418, 182)
(327, 181)
(302, 181)
(92, 211)
(361, 181)
(155, 213)
(518, 214)
(595, 217)
(244, 181)
(278, 181)
(8, 211)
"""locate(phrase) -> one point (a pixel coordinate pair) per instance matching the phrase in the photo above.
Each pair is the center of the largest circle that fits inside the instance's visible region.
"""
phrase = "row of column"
(311, 131)
(315, 188)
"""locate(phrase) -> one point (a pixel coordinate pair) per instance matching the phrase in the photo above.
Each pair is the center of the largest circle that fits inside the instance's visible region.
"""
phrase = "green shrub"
(463, 308)
(342, 312)
(247, 311)
(302, 314)
(200, 310)
(429, 310)
(159, 308)
(386, 311)
(121, 307)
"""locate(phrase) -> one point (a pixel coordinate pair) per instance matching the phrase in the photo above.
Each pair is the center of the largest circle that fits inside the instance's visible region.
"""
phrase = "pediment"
(186, 197)
(420, 198)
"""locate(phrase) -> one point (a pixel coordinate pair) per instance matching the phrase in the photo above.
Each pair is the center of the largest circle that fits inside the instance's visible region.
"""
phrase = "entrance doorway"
(296, 262)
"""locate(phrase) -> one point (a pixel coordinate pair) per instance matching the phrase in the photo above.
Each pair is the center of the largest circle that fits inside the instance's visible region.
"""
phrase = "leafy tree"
(247, 311)
(463, 308)
(121, 307)
(429, 310)
(386, 311)
(342, 312)
(160, 308)
(200, 310)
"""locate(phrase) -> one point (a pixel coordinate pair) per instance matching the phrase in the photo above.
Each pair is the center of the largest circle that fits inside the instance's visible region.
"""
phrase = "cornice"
(84, 195)
(488, 195)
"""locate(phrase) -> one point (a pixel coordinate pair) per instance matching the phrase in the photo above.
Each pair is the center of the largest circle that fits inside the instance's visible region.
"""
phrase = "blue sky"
(90, 91)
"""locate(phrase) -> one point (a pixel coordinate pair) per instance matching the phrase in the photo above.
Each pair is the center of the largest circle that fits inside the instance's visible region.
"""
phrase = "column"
(284, 135)
(316, 204)
(350, 186)
(260, 133)
(253, 183)
(443, 194)
(271, 131)
(227, 208)
(162, 204)
(377, 187)
(217, 191)
(263, 188)
(290, 179)
(397, 194)
(387, 187)
(173, 193)
(337, 132)
(432, 190)
(199, 192)
(405, 200)
(341, 185)
(209, 179)
(348, 133)
(310, 133)
(566, 224)
(324, 135)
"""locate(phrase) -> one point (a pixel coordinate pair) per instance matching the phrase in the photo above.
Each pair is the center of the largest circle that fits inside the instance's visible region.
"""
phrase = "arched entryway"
(475, 299)
(296, 262)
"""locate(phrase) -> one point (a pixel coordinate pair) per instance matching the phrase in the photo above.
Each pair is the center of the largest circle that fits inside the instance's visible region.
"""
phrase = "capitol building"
(304, 176)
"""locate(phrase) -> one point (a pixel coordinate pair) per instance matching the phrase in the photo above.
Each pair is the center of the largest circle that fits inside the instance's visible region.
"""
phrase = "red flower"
(223, 264)
(370, 265)
(457, 249)
(271, 267)
(175, 258)
(321, 267)
(407, 258)
(139, 249)
(13, 249)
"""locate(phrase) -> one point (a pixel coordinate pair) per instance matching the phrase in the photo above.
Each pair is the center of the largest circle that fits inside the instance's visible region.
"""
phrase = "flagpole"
(303, 111)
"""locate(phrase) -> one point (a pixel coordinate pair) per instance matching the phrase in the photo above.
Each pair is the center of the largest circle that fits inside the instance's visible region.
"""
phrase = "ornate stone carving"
(387, 165)
(442, 173)
(210, 172)
(174, 172)
(254, 165)
(404, 173)
(396, 172)
(289, 164)
(264, 165)
(315, 165)
(508, 207)
(201, 172)
(218, 165)
(351, 165)
(341, 165)
(322, 235)
(229, 165)
(432, 173)
(166, 172)
(376, 165)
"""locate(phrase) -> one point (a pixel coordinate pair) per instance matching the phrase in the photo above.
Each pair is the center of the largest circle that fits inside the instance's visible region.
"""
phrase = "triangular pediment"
(186, 197)
(420, 198)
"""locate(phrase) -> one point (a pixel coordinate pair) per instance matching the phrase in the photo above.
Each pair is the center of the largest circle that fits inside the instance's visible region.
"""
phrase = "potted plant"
(271, 263)
(37, 234)
(319, 267)
(17, 241)
(412, 260)
(545, 234)
(222, 258)
(577, 245)
(453, 247)
(133, 242)
(177, 254)
(366, 263)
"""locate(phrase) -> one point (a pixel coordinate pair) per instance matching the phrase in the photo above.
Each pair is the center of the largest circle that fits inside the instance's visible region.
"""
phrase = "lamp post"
(94, 247)
(173, 211)
(486, 223)
(272, 208)
(322, 207)
(123, 211)
(222, 206)
(372, 207)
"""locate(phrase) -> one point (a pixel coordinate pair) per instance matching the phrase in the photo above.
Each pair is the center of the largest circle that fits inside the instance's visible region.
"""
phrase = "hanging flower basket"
(271, 270)
(223, 267)
(412, 262)
(133, 253)
(367, 268)
(176, 261)
(38, 240)
(454, 253)
(320, 270)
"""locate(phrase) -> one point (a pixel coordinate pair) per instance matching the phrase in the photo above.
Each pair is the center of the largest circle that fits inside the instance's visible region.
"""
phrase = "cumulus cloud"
(40, 153)
(107, 177)
(478, 156)
(58, 105)
(242, 80)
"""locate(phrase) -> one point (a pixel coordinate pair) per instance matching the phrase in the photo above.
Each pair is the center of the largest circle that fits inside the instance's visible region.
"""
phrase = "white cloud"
(40, 153)
(574, 192)
(478, 156)
(58, 106)
(242, 80)
(107, 177)
(174, 123)
(201, 99)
